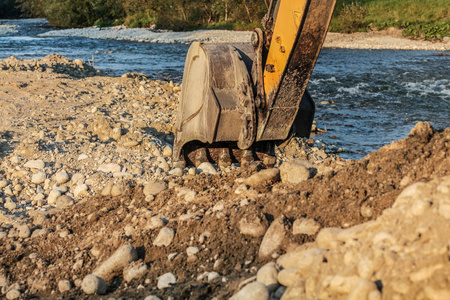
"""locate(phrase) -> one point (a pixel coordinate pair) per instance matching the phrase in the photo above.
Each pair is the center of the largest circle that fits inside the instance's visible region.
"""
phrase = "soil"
(41, 113)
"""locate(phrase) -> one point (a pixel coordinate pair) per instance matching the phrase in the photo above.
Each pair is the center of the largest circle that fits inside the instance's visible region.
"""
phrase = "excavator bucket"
(238, 99)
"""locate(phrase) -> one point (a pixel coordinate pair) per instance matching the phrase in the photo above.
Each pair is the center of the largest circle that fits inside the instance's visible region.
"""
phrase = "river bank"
(388, 39)
(89, 203)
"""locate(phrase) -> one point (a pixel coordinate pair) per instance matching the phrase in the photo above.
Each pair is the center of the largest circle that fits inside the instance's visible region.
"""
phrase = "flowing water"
(365, 98)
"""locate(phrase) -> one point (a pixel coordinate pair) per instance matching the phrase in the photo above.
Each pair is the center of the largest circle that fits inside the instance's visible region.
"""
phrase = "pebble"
(38, 178)
(116, 262)
(135, 270)
(151, 297)
(254, 228)
(35, 164)
(191, 251)
(165, 237)
(80, 190)
(305, 226)
(154, 188)
(109, 168)
(3, 184)
(328, 238)
(267, 275)
(64, 201)
(213, 276)
(252, 291)
(53, 196)
(294, 172)
(176, 172)
(13, 294)
(62, 177)
(263, 178)
(64, 286)
(10, 205)
(273, 238)
(167, 152)
(93, 284)
(207, 168)
(166, 280)
(24, 231)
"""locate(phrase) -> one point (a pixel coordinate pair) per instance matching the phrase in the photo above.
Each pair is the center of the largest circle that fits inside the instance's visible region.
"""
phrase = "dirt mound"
(71, 243)
(54, 63)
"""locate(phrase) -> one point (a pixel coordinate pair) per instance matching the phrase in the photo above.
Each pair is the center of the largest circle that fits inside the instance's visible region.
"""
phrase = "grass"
(423, 19)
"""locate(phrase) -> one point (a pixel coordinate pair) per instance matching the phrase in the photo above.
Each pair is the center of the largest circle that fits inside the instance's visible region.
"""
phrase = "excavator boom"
(238, 99)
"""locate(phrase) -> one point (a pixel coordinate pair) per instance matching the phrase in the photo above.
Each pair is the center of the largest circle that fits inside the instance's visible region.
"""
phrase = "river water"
(365, 98)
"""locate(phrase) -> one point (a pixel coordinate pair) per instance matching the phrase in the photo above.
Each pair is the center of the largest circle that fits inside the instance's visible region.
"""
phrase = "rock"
(288, 276)
(93, 284)
(252, 291)
(294, 172)
(314, 257)
(24, 231)
(13, 294)
(154, 223)
(80, 190)
(35, 164)
(116, 262)
(213, 276)
(165, 237)
(3, 184)
(191, 251)
(176, 172)
(267, 275)
(343, 284)
(4, 279)
(62, 177)
(154, 188)
(134, 270)
(207, 168)
(263, 178)
(327, 238)
(10, 205)
(291, 258)
(166, 280)
(64, 201)
(64, 286)
(273, 238)
(362, 290)
(38, 177)
(255, 228)
(151, 297)
(305, 226)
(109, 168)
(296, 291)
(167, 152)
(53, 196)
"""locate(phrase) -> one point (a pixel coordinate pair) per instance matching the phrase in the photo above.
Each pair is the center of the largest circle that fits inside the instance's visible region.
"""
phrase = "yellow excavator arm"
(238, 99)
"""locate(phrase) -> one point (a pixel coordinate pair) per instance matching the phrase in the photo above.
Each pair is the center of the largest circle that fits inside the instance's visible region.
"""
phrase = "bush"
(350, 19)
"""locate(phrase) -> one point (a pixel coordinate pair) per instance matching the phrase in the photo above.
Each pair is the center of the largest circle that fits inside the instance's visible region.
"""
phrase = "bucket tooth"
(225, 158)
(200, 157)
(247, 157)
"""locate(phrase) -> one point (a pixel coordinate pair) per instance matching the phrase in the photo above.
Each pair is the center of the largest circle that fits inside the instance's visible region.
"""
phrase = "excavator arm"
(238, 99)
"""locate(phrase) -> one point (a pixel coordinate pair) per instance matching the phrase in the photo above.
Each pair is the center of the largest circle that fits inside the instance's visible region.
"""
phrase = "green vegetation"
(418, 18)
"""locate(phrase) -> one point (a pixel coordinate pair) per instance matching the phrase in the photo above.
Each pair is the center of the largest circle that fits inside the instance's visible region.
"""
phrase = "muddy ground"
(85, 169)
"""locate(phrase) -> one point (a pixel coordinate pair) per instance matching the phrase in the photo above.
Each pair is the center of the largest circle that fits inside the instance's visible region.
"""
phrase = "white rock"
(305, 226)
(53, 196)
(62, 177)
(273, 238)
(116, 262)
(252, 291)
(135, 270)
(109, 168)
(327, 238)
(64, 201)
(151, 297)
(191, 251)
(24, 231)
(82, 156)
(254, 228)
(13, 294)
(165, 237)
(166, 280)
(64, 286)
(38, 177)
(294, 172)
(176, 172)
(10, 205)
(80, 190)
(263, 178)
(207, 168)
(3, 184)
(167, 152)
(213, 276)
(154, 188)
(93, 284)
(35, 164)
(267, 275)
